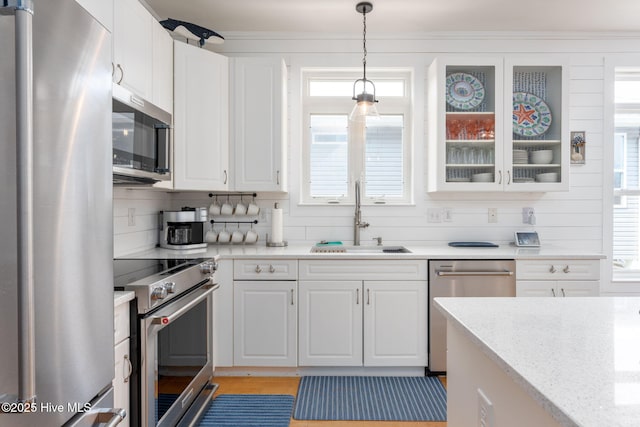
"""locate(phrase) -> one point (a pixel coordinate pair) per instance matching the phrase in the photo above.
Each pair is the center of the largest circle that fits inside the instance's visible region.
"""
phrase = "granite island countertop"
(417, 252)
(579, 358)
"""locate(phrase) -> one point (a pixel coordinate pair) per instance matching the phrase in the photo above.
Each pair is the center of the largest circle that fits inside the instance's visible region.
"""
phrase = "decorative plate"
(464, 91)
(531, 115)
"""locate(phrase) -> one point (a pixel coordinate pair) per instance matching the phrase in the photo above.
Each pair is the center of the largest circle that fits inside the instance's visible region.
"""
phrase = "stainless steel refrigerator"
(56, 274)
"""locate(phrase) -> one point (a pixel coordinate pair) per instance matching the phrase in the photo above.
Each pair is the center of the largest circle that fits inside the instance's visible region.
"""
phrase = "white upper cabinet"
(102, 10)
(498, 124)
(133, 47)
(201, 119)
(162, 95)
(259, 98)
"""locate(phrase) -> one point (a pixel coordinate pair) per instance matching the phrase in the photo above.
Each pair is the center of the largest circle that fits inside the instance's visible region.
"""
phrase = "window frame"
(339, 105)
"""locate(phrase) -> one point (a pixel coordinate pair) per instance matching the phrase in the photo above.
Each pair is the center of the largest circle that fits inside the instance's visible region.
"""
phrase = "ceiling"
(404, 16)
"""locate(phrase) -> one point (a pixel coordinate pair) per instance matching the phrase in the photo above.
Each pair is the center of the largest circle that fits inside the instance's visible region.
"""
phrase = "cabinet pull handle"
(258, 269)
(292, 297)
(553, 292)
(225, 177)
(357, 296)
(278, 177)
(368, 296)
(499, 177)
(566, 269)
(508, 177)
(128, 367)
(121, 73)
(552, 269)
(272, 269)
(113, 70)
(562, 290)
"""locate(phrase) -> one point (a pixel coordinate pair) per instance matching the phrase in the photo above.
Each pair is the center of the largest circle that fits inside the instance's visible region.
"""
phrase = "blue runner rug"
(371, 399)
(249, 410)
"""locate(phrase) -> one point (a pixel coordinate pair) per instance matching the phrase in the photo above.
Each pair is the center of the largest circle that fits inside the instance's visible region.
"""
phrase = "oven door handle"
(165, 320)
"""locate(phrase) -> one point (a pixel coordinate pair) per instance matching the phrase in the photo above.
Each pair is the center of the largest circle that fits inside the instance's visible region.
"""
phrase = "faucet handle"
(379, 240)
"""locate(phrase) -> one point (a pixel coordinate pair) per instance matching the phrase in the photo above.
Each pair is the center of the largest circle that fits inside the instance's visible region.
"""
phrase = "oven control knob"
(209, 267)
(170, 287)
(159, 292)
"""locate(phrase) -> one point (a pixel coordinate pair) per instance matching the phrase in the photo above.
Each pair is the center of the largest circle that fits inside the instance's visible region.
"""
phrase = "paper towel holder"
(276, 244)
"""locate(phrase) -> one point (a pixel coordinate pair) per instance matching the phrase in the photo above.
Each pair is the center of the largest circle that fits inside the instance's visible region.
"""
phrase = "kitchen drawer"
(555, 269)
(265, 269)
(120, 322)
(402, 269)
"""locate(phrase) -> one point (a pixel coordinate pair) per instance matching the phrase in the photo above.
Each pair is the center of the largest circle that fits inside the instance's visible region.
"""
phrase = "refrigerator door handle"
(117, 416)
(23, 12)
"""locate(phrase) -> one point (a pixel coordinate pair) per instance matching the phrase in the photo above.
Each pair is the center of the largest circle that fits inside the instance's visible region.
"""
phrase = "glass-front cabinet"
(496, 124)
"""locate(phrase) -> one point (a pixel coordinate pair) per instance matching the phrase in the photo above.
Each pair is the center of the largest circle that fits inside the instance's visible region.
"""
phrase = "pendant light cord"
(364, 45)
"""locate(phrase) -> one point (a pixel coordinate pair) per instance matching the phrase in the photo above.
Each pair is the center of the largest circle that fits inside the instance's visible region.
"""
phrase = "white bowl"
(482, 177)
(547, 177)
(541, 157)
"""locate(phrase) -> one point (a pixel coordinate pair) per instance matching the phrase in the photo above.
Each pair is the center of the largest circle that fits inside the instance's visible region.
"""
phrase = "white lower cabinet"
(264, 323)
(558, 278)
(356, 323)
(368, 319)
(265, 313)
(123, 367)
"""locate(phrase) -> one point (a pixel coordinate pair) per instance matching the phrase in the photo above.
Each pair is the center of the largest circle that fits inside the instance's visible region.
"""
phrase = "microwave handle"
(162, 146)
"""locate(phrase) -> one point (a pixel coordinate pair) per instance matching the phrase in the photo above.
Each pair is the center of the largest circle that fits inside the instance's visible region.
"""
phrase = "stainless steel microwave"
(141, 137)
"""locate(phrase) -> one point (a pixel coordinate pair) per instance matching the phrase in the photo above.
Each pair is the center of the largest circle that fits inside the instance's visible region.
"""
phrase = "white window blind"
(384, 157)
(329, 158)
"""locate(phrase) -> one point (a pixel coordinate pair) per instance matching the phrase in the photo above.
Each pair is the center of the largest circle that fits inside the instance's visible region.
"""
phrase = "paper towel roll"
(276, 224)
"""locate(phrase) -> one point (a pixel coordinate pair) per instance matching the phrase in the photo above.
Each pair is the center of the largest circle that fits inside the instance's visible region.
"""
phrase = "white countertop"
(417, 252)
(121, 297)
(578, 357)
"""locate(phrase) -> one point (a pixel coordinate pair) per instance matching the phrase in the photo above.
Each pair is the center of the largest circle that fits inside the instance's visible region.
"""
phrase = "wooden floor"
(289, 385)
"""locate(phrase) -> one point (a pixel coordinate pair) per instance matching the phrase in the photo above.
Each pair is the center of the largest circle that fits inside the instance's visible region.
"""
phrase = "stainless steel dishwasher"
(463, 278)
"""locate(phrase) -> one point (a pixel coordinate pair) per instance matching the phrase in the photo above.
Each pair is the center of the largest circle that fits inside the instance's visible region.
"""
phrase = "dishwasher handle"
(474, 273)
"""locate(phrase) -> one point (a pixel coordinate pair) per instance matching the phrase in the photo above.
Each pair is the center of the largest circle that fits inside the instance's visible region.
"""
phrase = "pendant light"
(365, 102)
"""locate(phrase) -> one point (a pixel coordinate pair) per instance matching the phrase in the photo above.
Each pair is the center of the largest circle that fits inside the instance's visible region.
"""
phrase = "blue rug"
(249, 410)
(371, 399)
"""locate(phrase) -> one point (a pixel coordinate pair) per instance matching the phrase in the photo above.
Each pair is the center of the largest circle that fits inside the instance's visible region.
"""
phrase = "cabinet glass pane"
(536, 123)
(470, 123)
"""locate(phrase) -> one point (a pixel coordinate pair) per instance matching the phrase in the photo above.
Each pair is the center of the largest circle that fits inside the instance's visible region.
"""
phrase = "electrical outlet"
(485, 410)
(528, 216)
(131, 217)
(434, 215)
(493, 214)
(447, 215)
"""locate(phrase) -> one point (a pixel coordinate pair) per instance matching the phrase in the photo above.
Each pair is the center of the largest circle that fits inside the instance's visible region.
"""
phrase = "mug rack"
(233, 194)
(213, 221)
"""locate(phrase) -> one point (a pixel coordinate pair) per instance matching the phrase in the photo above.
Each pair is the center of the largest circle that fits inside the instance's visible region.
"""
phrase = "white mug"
(214, 209)
(224, 236)
(241, 209)
(250, 236)
(226, 209)
(237, 236)
(211, 236)
(253, 209)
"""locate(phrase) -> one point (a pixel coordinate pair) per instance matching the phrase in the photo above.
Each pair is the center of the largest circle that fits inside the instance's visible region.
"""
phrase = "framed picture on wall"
(578, 143)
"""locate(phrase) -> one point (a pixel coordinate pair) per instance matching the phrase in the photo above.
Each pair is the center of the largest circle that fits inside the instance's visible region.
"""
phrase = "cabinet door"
(465, 124)
(162, 68)
(259, 124)
(201, 126)
(537, 153)
(330, 323)
(265, 323)
(223, 315)
(535, 288)
(122, 375)
(133, 47)
(395, 323)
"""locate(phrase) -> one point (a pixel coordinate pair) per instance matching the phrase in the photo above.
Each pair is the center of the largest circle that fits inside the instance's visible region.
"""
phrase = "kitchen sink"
(341, 249)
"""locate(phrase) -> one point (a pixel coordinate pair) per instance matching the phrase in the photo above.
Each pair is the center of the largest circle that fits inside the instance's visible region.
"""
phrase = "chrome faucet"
(357, 220)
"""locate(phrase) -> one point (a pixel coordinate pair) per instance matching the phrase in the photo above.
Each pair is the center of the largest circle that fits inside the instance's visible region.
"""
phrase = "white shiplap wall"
(573, 218)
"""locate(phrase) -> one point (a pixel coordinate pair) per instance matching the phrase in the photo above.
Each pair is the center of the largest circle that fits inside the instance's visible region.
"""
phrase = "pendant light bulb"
(365, 102)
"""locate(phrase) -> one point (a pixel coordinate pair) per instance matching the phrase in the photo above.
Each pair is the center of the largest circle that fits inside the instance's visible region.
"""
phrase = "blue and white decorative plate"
(531, 115)
(464, 91)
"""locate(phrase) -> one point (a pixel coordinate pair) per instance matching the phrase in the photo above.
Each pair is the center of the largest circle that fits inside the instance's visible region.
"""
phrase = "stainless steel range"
(171, 324)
